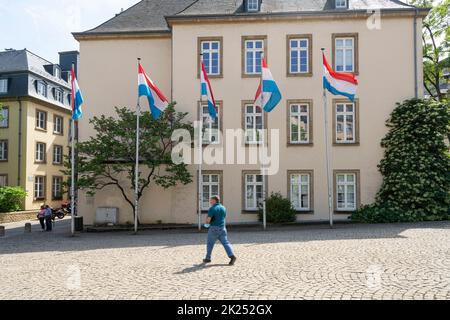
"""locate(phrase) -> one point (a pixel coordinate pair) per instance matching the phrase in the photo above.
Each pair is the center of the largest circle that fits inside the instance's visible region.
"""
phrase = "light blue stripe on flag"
(269, 86)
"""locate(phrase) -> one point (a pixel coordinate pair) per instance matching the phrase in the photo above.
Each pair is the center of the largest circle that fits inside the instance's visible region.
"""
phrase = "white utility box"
(107, 216)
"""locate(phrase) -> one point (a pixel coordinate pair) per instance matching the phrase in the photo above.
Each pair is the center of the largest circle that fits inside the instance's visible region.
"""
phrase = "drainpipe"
(416, 84)
(19, 164)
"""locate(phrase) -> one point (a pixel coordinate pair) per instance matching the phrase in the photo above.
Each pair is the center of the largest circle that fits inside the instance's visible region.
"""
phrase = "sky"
(45, 26)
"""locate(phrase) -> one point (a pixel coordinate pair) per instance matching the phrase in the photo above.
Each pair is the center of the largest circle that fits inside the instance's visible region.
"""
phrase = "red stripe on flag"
(205, 75)
(349, 77)
(158, 92)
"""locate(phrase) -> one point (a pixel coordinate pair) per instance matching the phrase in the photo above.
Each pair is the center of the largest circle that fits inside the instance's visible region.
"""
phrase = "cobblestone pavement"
(404, 261)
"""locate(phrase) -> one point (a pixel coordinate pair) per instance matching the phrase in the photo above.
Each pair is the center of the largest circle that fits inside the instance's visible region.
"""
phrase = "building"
(169, 36)
(34, 134)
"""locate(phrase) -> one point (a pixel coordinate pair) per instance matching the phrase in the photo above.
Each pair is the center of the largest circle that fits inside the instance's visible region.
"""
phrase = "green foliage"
(436, 45)
(279, 209)
(11, 199)
(416, 166)
(108, 158)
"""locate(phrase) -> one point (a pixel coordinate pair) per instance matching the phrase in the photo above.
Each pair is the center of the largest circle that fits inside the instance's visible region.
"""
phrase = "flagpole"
(136, 205)
(72, 184)
(328, 157)
(263, 148)
(200, 152)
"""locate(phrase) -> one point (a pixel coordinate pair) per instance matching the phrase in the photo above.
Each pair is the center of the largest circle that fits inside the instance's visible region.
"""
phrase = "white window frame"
(42, 88)
(254, 184)
(300, 183)
(344, 50)
(345, 184)
(41, 120)
(253, 135)
(39, 187)
(4, 148)
(299, 114)
(4, 113)
(252, 5)
(3, 180)
(59, 95)
(58, 72)
(209, 52)
(211, 135)
(254, 52)
(344, 114)
(40, 152)
(57, 154)
(207, 182)
(3, 86)
(299, 50)
(57, 182)
(58, 125)
(341, 4)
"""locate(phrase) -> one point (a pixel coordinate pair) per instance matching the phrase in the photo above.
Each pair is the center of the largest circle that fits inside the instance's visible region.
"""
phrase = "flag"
(339, 83)
(270, 95)
(156, 99)
(77, 98)
(207, 94)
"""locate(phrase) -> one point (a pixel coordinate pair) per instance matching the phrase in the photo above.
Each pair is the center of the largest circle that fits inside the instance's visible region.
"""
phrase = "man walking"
(217, 230)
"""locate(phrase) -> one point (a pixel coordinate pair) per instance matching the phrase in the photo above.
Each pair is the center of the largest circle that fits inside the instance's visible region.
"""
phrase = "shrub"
(279, 209)
(415, 167)
(11, 199)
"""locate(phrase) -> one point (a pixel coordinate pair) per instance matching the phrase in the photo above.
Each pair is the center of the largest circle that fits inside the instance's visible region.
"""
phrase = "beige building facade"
(386, 59)
(34, 132)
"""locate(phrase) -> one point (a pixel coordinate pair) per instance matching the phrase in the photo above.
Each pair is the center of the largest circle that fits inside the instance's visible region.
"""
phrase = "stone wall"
(17, 216)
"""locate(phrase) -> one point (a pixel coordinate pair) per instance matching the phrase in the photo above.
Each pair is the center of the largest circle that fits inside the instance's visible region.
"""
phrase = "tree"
(436, 45)
(415, 167)
(108, 158)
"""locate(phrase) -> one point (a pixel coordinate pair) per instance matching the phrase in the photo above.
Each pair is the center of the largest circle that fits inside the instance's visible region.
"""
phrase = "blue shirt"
(48, 212)
(217, 213)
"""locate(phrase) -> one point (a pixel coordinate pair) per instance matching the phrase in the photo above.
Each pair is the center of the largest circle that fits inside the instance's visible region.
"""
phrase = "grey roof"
(229, 7)
(149, 15)
(15, 61)
(145, 16)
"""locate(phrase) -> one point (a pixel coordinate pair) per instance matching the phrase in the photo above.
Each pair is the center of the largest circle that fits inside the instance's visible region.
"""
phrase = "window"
(57, 154)
(57, 72)
(253, 123)
(42, 88)
(253, 186)
(59, 96)
(41, 120)
(39, 187)
(4, 117)
(4, 150)
(212, 55)
(252, 5)
(40, 151)
(341, 4)
(346, 184)
(57, 193)
(300, 192)
(3, 180)
(3, 86)
(345, 52)
(252, 55)
(300, 126)
(345, 122)
(300, 55)
(211, 129)
(58, 125)
(211, 187)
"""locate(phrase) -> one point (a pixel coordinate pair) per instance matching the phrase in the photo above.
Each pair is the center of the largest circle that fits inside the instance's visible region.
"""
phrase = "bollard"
(27, 227)
(2, 231)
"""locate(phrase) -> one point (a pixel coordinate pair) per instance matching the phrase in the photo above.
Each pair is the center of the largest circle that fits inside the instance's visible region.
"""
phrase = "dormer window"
(57, 72)
(341, 4)
(41, 88)
(252, 5)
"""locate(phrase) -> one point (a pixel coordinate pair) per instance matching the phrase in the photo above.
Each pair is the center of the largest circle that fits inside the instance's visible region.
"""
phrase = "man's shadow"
(199, 267)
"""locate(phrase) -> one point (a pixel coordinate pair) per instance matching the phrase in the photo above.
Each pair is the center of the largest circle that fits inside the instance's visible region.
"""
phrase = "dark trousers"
(42, 222)
(48, 223)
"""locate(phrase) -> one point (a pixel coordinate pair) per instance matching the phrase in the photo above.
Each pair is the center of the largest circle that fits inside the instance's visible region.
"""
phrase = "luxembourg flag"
(339, 83)
(207, 94)
(77, 98)
(270, 95)
(156, 99)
